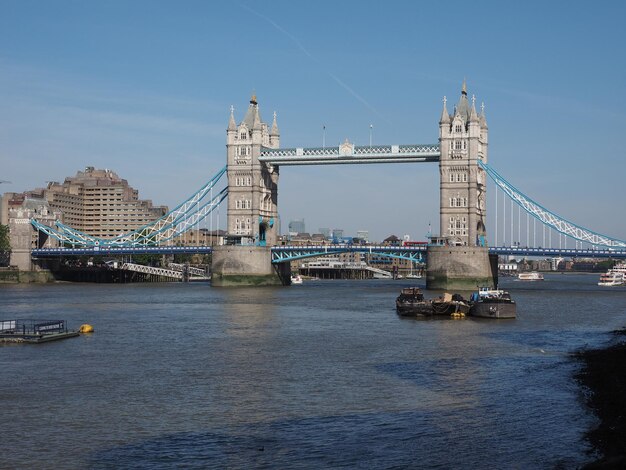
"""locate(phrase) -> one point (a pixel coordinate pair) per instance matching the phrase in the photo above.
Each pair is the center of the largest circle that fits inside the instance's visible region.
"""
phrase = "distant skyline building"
(337, 233)
(325, 232)
(363, 235)
(297, 226)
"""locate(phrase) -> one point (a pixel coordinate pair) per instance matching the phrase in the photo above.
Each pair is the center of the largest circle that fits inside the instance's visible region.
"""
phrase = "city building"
(296, 226)
(96, 202)
(337, 233)
(325, 232)
(363, 235)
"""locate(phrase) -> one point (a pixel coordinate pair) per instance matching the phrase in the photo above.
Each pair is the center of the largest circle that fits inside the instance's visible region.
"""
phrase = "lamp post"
(371, 129)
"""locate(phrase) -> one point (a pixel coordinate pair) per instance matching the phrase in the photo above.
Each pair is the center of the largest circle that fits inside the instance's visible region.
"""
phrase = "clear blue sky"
(144, 88)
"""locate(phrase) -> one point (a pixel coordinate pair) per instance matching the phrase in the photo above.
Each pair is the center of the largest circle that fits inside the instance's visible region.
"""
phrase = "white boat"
(296, 279)
(616, 276)
(530, 276)
(413, 276)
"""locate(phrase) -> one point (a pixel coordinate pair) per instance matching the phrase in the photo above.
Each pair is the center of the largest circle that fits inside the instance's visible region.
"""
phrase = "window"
(458, 128)
(458, 177)
(242, 136)
(451, 177)
(465, 177)
(457, 145)
(248, 181)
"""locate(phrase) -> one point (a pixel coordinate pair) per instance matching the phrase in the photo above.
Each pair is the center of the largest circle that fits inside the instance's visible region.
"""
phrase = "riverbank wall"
(15, 276)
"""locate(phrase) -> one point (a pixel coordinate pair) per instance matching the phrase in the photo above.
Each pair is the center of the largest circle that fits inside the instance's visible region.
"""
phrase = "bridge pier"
(460, 268)
(241, 265)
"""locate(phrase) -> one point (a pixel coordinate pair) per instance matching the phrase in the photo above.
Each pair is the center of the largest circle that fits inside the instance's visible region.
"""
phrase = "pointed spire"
(463, 108)
(232, 126)
(257, 118)
(445, 117)
(482, 118)
(274, 130)
(473, 115)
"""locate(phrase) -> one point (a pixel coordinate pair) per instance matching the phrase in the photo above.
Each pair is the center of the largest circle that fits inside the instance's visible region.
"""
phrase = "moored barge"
(411, 303)
(492, 303)
(34, 331)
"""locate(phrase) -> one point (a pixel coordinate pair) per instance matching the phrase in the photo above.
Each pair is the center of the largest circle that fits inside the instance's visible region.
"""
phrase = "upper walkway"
(348, 153)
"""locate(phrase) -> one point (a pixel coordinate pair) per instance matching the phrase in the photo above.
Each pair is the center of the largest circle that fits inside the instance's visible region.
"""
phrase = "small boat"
(413, 276)
(450, 304)
(492, 303)
(297, 279)
(530, 276)
(411, 303)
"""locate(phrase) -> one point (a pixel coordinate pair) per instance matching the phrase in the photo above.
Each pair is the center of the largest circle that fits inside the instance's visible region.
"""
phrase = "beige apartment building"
(96, 202)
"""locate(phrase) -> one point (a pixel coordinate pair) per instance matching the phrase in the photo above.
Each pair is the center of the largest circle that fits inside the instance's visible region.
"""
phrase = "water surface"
(320, 375)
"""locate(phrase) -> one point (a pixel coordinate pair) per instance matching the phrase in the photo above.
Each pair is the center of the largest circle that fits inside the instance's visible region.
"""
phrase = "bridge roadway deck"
(283, 251)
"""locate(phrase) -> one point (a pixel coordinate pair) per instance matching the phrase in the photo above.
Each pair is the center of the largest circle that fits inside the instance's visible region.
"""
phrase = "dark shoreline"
(603, 378)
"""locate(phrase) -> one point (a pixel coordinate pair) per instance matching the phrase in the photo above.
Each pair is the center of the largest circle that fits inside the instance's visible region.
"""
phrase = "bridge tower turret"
(463, 141)
(252, 185)
(464, 261)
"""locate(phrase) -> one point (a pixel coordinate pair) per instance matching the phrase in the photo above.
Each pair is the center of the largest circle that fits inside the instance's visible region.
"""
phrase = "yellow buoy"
(86, 328)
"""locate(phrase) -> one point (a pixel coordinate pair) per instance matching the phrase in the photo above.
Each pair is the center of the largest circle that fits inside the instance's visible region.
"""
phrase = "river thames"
(321, 375)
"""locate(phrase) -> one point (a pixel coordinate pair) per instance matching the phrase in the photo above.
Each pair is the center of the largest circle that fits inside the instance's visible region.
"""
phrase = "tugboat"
(451, 304)
(411, 303)
(492, 303)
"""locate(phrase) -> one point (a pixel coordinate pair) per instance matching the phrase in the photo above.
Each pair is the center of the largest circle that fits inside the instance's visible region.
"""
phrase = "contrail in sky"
(310, 56)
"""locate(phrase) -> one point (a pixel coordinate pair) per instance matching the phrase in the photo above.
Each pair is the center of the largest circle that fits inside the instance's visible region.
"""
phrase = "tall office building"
(297, 226)
(363, 235)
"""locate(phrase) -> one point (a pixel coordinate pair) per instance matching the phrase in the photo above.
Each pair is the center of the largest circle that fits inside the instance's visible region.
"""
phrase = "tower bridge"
(459, 258)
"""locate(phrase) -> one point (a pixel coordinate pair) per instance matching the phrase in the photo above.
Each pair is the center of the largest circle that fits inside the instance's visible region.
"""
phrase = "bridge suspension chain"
(549, 218)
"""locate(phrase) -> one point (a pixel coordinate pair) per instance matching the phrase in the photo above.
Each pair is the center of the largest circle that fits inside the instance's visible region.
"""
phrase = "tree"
(5, 245)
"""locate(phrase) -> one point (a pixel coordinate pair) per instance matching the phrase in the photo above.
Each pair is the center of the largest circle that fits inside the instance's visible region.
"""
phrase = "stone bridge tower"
(463, 141)
(252, 185)
(462, 260)
(252, 206)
